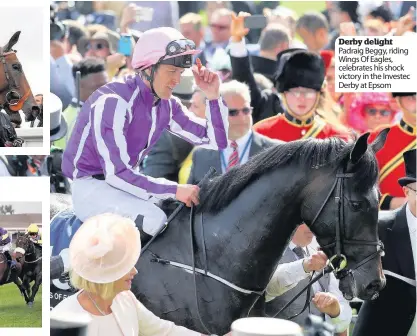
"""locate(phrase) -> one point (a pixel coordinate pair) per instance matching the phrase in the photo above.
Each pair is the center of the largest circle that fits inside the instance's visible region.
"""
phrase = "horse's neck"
(260, 225)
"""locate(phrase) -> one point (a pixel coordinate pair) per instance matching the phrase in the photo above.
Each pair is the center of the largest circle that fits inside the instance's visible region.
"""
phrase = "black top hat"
(403, 94)
(299, 68)
(410, 168)
(68, 324)
(350, 7)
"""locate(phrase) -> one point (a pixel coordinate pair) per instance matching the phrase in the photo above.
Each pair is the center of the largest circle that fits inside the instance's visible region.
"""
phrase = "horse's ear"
(379, 141)
(361, 145)
(13, 40)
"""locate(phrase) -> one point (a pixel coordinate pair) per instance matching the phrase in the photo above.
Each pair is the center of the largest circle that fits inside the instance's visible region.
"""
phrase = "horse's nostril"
(374, 286)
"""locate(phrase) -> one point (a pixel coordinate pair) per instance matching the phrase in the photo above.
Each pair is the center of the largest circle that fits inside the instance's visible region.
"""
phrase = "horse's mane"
(310, 154)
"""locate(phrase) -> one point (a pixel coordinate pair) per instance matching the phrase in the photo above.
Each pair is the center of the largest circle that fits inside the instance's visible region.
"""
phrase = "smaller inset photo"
(27, 165)
(23, 78)
(21, 264)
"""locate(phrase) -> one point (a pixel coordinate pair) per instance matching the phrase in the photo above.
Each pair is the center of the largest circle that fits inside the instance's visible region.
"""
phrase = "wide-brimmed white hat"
(265, 326)
(105, 248)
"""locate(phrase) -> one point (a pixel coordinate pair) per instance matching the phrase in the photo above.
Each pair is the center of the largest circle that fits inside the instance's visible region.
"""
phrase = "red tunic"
(279, 127)
(401, 138)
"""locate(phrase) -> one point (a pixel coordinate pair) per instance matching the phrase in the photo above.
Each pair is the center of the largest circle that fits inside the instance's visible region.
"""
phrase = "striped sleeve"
(111, 117)
(210, 133)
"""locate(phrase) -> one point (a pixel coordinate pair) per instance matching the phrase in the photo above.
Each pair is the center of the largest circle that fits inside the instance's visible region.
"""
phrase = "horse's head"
(341, 207)
(24, 245)
(15, 92)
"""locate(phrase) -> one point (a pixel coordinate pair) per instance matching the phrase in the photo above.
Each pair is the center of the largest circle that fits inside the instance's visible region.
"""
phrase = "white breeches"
(6, 247)
(92, 197)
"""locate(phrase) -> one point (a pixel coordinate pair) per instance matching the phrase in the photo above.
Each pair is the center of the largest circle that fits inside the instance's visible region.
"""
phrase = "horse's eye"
(17, 67)
(356, 206)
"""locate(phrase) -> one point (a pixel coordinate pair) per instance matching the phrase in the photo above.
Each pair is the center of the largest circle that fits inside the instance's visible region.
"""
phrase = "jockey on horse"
(34, 234)
(121, 121)
(6, 246)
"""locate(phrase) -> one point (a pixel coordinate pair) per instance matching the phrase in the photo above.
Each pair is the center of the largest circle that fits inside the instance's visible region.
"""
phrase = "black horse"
(244, 222)
(32, 265)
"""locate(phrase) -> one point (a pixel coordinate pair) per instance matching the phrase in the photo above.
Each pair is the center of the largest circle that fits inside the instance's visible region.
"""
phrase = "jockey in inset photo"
(6, 247)
(121, 121)
(33, 233)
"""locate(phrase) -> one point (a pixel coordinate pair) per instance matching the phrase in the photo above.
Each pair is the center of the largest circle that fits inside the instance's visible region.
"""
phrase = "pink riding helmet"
(152, 47)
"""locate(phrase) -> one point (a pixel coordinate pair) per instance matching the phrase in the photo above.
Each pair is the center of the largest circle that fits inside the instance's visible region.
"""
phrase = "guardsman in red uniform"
(299, 79)
(401, 138)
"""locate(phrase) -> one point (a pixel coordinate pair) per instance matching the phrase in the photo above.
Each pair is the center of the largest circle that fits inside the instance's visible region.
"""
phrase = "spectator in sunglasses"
(370, 110)
(103, 44)
(220, 22)
(243, 143)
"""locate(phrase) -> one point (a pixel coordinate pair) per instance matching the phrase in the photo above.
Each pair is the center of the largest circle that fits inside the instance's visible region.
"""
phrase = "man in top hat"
(58, 130)
(393, 312)
(401, 138)
(58, 125)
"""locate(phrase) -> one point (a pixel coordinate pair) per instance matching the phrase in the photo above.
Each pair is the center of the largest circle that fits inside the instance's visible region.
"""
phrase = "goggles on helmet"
(184, 61)
(179, 46)
(175, 48)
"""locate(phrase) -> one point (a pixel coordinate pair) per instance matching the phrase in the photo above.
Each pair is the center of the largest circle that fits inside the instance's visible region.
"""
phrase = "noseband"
(12, 98)
(339, 261)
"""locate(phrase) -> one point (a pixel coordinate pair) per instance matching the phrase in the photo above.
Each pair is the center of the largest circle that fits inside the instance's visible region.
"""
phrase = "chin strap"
(150, 80)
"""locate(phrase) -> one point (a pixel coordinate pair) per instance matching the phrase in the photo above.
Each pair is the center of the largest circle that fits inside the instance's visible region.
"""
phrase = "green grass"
(14, 313)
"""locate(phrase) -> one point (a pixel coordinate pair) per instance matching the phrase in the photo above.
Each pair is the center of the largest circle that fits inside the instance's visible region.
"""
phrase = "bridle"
(338, 262)
(29, 247)
(13, 99)
(12, 96)
(340, 270)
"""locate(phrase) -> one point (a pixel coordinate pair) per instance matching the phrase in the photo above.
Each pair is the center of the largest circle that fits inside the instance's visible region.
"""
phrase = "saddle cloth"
(63, 227)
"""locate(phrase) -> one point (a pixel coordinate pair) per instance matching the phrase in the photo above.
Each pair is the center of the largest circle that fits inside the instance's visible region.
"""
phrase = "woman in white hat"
(103, 254)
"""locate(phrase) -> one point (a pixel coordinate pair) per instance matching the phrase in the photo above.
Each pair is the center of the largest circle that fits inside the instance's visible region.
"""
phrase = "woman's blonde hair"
(105, 291)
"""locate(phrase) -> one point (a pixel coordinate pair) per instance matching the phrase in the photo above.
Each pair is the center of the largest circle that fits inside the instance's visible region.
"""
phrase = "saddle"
(8, 135)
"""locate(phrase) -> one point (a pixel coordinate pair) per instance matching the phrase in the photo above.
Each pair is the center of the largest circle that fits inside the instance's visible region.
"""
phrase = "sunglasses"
(373, 112)
(217, 26)
(96, 46)
(235, 112)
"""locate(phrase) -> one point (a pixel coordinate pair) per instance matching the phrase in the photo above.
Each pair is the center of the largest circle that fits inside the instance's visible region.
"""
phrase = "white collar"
(241, 142)
(411, 220)
(291, 245)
